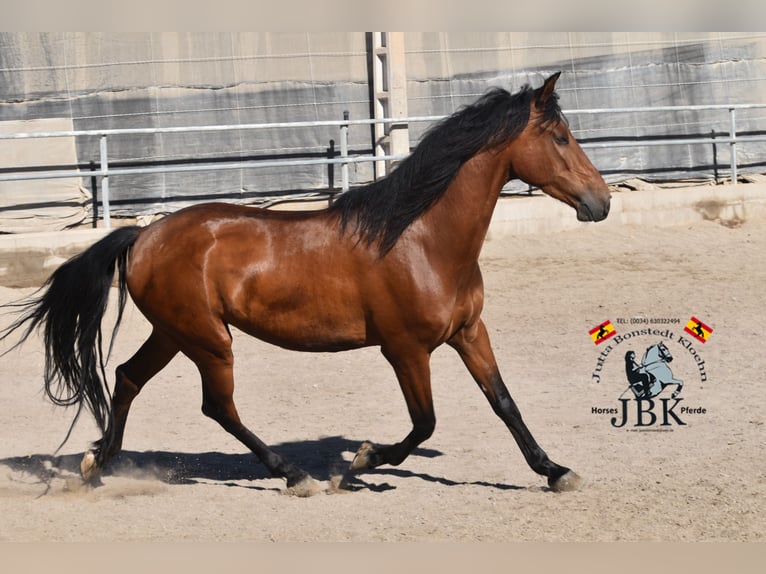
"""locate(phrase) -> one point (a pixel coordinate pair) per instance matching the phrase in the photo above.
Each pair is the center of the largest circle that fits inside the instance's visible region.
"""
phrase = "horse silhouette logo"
(648, 378)
(698, 330)
(602, 332)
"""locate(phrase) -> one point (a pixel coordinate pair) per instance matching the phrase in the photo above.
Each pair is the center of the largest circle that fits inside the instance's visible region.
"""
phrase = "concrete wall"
(731, 205)
(27, 259)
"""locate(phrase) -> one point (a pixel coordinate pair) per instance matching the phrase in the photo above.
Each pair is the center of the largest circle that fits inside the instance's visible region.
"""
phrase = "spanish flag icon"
(602, 332)
(698, 330)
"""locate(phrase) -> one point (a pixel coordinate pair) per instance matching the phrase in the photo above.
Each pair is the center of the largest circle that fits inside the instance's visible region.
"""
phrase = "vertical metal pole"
(381, 103)
(389, 81)
(733, 145)
(105, 181)
(344, 153)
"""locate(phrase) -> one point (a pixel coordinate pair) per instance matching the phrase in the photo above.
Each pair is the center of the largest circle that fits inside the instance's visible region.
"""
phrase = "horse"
(655, 363)
(653, 374)
(392, 264)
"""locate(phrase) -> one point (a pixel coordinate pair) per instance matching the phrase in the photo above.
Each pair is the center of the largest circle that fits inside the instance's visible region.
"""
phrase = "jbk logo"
(648, 413)
(651, 398)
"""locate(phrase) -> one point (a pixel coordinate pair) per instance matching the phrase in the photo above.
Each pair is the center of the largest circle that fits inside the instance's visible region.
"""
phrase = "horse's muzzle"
(593, 208)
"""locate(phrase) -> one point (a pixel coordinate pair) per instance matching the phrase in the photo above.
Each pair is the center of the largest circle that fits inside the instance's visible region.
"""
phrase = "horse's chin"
(583, 213)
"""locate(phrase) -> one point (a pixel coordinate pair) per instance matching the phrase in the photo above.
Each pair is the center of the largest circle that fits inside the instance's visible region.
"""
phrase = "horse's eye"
(561, 140)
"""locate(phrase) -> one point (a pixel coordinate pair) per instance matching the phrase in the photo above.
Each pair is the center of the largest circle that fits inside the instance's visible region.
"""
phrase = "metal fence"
(104, 171)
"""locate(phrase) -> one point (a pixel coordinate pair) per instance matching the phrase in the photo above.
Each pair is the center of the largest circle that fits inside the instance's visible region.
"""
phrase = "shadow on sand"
(322, 458)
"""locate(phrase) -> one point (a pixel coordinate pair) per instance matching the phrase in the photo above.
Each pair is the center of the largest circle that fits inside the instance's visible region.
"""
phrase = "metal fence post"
(105, 181)
(344, 153)
(733, 145)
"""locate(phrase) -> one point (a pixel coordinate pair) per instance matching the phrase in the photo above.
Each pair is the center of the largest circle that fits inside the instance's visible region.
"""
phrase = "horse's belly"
(328, 323)
(305, 335)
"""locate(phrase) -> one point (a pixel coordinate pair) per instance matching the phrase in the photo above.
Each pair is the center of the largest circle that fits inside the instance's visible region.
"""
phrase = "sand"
(182, 478)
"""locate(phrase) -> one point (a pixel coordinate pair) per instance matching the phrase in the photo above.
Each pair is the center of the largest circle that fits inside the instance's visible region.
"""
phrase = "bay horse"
(392, 264)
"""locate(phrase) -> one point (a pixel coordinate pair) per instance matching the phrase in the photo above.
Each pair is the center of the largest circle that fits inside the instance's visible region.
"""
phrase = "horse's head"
(546, 155)
(664, 352)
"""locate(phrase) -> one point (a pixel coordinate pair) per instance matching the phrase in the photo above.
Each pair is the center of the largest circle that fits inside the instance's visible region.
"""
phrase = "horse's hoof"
(362, 457)
(88, 467)
(305, 487)
(567, 482)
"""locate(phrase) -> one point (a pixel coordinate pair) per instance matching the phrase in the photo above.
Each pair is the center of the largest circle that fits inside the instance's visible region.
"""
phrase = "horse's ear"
(546, 90)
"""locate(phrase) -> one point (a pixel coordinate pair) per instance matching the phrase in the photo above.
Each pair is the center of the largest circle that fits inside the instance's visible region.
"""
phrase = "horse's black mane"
(382, 210)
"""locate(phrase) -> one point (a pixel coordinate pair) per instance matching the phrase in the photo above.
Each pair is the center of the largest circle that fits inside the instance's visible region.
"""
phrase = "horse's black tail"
(70, 310)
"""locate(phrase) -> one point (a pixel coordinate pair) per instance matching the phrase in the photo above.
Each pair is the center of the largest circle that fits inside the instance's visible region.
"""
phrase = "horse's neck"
(461, 218)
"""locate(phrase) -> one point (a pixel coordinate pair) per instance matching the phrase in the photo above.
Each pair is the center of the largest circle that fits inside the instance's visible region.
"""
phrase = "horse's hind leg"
(472, 343)
(218, 404)
(131, 376)
(414, 374)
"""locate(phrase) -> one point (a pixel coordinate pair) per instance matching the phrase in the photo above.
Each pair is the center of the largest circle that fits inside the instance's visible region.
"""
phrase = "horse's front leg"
(472, 343)
(414, 375)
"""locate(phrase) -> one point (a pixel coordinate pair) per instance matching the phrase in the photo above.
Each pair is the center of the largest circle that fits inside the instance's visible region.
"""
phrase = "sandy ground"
(182, 478)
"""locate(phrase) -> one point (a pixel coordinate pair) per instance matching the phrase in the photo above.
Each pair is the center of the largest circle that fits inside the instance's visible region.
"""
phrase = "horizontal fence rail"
(104, 171)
